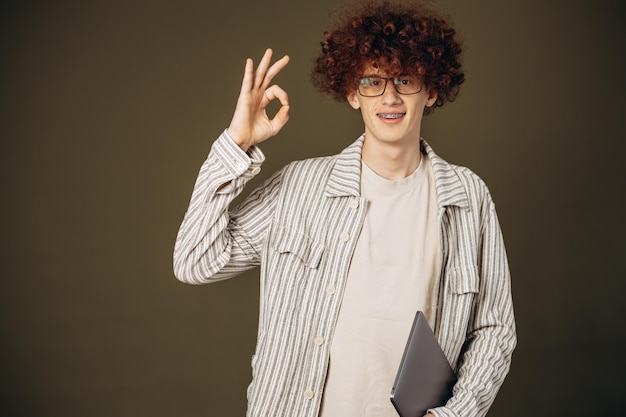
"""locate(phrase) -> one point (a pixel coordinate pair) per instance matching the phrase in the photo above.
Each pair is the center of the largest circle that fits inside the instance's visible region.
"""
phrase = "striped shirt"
(300, 226)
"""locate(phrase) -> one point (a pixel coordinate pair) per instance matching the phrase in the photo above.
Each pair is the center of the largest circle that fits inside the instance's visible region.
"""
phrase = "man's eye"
(370, 82)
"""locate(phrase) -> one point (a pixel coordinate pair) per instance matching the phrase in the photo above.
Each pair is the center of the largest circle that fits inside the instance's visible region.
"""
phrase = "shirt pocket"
(293, 268)
(462, 290)
(305, 249)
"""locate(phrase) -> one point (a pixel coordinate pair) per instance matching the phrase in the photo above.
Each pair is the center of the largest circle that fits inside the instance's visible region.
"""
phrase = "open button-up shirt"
(300, 227)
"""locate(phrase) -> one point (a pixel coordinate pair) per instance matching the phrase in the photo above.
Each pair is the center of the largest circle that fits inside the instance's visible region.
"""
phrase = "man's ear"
(353, 100)
(432, 97)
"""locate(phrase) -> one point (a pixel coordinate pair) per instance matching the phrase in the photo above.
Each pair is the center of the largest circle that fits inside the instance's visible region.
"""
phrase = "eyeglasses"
(375, 86)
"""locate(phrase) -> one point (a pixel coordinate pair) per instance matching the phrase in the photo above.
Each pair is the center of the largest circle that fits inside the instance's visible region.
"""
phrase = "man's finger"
(275, 92)
(262, 68)
(280, 119)
(282, 116)
(246, 83)
(275, 69)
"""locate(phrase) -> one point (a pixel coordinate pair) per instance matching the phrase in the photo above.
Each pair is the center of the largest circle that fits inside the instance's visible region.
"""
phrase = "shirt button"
(344, 237)
(353, 204)
(308, 394)
(318, 340)
(330, 290)
(256, 170)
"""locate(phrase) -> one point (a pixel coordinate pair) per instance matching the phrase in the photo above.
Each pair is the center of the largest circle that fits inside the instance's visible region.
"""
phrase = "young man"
(351, 246)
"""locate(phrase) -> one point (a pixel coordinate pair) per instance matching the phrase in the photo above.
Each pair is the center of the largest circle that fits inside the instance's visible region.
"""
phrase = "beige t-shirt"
(394, 264)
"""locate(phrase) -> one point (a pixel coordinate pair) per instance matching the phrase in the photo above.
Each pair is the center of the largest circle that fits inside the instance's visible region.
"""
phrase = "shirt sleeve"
(214, 243)
(491, 336)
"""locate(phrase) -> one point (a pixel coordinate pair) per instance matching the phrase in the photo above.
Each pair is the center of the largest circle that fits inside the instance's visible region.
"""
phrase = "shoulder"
(474, 184)
(315, 163)
(459, 185)
(305, 179)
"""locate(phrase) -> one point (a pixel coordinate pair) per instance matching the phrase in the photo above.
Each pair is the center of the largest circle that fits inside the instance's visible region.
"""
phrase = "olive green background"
(108, 108)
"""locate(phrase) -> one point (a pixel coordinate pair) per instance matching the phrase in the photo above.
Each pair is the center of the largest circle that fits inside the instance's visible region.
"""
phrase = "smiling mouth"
(390, 115)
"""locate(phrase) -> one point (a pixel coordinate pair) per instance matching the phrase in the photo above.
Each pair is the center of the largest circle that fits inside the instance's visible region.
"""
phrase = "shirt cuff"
(236, 167)
(235, 159)
(442, 412)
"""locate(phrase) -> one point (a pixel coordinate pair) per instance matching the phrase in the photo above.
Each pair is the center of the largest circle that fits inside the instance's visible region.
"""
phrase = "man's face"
(391, 117)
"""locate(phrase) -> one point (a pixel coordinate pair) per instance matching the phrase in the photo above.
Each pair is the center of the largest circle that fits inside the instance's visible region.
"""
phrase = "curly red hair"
(397, 37)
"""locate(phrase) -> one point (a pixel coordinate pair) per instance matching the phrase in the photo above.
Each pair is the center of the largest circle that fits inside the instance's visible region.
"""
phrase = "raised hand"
(250, 124)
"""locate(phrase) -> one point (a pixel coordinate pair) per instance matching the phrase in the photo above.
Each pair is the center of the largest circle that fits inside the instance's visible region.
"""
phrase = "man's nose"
(390, 95)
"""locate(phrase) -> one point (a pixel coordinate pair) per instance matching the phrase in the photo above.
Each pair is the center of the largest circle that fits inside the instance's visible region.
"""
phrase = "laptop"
(425, 378)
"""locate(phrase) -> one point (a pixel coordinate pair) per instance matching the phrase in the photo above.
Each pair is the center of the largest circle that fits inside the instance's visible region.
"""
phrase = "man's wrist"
(235, 138)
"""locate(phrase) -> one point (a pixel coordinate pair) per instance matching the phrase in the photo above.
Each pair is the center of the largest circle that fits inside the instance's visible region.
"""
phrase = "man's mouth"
(390, 115)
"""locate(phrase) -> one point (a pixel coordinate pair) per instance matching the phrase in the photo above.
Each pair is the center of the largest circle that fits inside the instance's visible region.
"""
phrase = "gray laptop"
(425, 378)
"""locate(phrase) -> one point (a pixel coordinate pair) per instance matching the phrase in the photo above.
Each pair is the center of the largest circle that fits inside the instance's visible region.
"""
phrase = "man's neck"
(393, 161)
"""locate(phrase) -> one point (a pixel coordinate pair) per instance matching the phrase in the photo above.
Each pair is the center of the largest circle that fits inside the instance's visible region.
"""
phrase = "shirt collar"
(345, 176)
(451, 190)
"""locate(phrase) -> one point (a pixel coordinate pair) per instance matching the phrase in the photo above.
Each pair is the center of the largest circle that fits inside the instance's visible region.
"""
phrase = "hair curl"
(397, 37)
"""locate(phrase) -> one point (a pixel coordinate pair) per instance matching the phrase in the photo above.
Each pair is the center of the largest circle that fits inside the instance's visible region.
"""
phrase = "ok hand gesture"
(250, 124)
